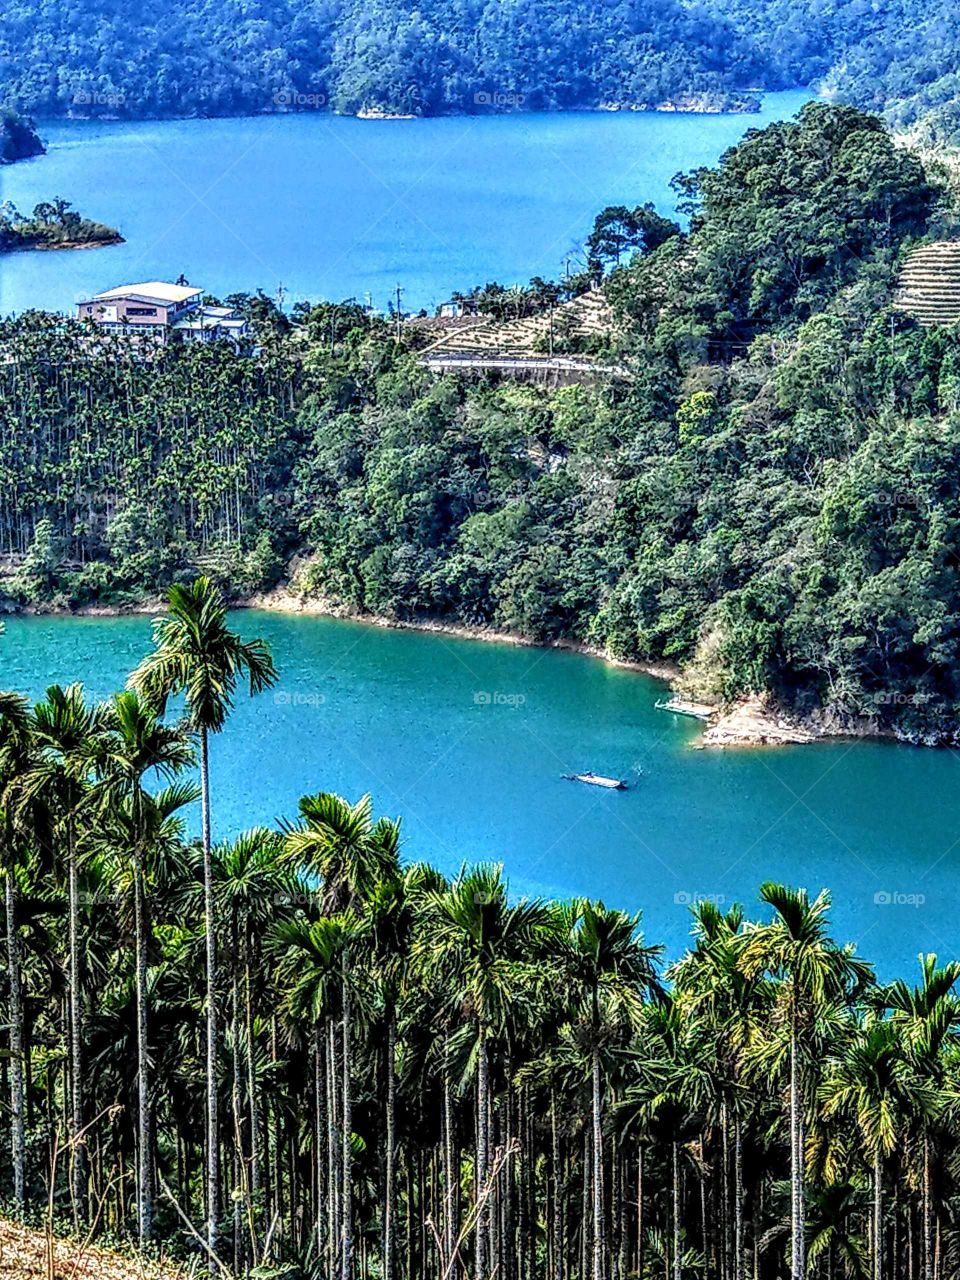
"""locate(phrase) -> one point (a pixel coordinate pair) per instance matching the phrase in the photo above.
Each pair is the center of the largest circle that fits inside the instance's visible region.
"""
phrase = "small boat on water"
(596, 780)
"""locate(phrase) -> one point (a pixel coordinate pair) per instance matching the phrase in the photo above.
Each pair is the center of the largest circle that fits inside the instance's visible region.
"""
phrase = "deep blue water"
(468, 741)
(335, 208)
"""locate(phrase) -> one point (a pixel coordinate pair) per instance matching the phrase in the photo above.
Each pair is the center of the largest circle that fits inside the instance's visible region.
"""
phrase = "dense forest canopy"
(769, 496)
(124, 58)
(18, 137)
(302, 1055)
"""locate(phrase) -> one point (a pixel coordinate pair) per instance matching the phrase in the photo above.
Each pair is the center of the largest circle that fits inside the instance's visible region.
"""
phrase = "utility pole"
(399, 312)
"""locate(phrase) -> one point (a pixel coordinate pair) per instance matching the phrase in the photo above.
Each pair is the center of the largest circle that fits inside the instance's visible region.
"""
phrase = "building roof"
(209, 317)
(155, 290)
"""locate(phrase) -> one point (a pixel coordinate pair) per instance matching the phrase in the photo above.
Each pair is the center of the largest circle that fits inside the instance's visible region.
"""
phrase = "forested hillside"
(123, 58)
(769, 496)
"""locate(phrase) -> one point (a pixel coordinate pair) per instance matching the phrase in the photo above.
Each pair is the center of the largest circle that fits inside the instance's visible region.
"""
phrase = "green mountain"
(120, 57)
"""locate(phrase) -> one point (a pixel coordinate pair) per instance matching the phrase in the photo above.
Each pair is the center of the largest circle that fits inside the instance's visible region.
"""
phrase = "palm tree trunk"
(677, 1262)
(927, 1209)
(254, 1113)
(877, 1216)
(558, 1243)
(346, 1260)
(797, 1260)
(737, 1200)
(333, 1224)
(319, 1140)
(213, 1137)
(144, 1127)
(640, 1241)
(598, 1241)
(77, 1162)
(15, 1014)
(450, 1180)
(481, 1161)
(390, 1177)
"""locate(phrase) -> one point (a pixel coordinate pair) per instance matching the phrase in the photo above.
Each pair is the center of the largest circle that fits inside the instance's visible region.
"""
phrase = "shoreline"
(706, 103)
(279, 601)
(752, 721)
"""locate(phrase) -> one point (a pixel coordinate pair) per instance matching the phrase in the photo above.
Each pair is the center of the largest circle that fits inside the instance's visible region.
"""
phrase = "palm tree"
(13, 747)
(929, 1015)
(136, 743)
(316, 963)
(610, 968)
(62, 728)
(834, 1215)
(196, 654)
(872, 1084)
(728, 1009)
(341, 844)
(667, 1098)
(253, 882)
(481, 948)
(796, 949)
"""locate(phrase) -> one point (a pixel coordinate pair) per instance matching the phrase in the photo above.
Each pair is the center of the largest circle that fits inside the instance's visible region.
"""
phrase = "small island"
(18, 137)
(52, 225)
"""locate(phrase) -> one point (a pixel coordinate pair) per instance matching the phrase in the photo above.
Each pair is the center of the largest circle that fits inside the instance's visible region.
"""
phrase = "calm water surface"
(331, 207)
(467, 741)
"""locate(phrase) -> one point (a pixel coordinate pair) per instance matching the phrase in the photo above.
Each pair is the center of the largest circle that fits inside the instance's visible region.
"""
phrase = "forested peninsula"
(765, 490)
(118, 58)
(18, 137)
(52, 225)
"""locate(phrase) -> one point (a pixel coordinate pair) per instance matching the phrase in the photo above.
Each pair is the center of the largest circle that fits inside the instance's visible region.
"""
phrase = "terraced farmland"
(929, 286)
(535, 346)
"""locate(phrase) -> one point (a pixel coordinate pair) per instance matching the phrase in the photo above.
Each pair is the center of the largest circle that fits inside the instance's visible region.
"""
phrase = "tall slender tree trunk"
(677, 1260)
(319, 1140)
(210, 934)
(737, 1200)
(878, 1215)
(558, 1241)
(333, 1223)
(77, 1161)
(15, 1014)
(927, 1209)
(346, 1257)
(483, 1090)
(450, 1179)
(144, 1126)
(598, 1240)
(640, 1240)
(253, 1104)
(797, 1250)
(390, 1176)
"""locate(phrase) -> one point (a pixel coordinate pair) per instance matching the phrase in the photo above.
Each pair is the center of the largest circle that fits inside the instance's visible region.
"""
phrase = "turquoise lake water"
(468, 742)
(335, 208)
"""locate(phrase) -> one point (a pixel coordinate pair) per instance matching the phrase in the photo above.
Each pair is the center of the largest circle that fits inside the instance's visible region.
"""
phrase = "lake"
(468, 742)
(330, 207)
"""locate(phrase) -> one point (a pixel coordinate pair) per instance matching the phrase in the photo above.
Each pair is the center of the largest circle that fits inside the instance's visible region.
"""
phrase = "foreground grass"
(24, 1256)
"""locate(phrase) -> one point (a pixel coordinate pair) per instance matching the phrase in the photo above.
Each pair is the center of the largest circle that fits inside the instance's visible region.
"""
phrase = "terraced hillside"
(546, 347)
(929, 286)
(585, 317)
